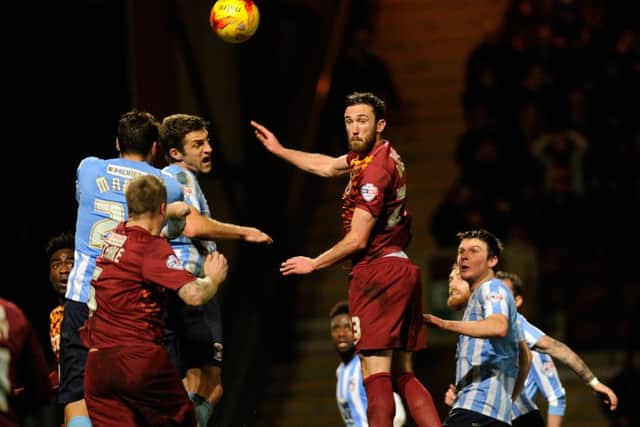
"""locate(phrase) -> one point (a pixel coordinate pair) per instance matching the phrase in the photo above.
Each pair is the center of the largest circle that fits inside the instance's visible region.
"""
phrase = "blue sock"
(202, 407)
(79, 421)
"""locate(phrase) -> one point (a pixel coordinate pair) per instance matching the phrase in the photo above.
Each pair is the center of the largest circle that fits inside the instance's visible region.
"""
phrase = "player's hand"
(607, 395)
(267, 138)
(216, 267)
(450, 395)
(256, 236)
(433, 321)
(297, 265)
(178, 210)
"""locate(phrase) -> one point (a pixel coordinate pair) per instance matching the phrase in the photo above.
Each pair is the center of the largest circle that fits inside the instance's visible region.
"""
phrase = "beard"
(362, 144)
(457, 301)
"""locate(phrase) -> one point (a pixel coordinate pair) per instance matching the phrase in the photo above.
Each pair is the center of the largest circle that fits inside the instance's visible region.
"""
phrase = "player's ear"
(175, 154)
(381, 125)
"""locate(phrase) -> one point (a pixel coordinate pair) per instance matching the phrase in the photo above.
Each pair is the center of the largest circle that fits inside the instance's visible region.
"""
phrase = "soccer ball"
(234, 21)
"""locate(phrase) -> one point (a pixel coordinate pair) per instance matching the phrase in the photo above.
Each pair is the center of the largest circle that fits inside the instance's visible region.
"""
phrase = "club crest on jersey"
(369, 192)
(173, 262)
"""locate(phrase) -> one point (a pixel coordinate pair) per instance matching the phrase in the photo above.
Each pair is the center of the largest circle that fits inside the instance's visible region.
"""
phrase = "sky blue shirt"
(100, 187)
(543, 376)
(487, 368)
(352, 397)
(191, 252)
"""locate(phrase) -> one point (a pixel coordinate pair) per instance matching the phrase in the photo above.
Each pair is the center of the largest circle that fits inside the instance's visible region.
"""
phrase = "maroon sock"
(380, 404)
(418, 399)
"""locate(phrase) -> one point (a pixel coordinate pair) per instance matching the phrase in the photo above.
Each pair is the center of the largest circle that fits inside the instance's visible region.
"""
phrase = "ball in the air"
(234, 21)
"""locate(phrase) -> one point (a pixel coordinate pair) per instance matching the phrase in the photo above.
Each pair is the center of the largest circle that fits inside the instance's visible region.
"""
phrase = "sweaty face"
(362, 127)
(341, 333)
(197, 151)
(60, 265)
(474, 262)
(459, 291)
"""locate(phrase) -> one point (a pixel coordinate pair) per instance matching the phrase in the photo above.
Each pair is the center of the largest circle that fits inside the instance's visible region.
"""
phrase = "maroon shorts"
(135, 387)
(385, 303)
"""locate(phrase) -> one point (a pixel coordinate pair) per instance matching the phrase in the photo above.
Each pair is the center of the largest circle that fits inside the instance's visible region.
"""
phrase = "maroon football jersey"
(23, 367)
(133, 273)
(377, 184)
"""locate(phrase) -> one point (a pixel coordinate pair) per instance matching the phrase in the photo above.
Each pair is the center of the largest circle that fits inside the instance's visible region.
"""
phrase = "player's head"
(184, 139)
(459, 289)
(146, 195)
(59, 251)
(479, 254)
(364, 118)
(137, 133)
(341, 330)
(514, 283)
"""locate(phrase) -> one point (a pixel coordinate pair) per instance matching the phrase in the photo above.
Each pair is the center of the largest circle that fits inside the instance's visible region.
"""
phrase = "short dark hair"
(137, 131)
(174, 128)
(494, 245)
(64, 240)
(341, 307)
(367, 98)
(516, 282)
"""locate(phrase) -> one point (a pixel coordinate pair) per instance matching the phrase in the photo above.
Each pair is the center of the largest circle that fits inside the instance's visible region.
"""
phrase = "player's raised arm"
(315, 163)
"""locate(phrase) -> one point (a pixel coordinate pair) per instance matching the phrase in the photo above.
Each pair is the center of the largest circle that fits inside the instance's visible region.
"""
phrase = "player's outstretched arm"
(563, 353)
(494, 326)
(315, 163)
(201, 290)
(202, 227)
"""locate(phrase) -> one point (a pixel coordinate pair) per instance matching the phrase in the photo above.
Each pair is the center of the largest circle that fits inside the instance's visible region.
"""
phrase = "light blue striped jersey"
(352, 397)
(486, 368)
(543, 376)
(191, 252)
(100, 187)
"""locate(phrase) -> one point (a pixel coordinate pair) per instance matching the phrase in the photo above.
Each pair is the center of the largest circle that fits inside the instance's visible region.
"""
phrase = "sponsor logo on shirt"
(369, 192)
(548, 368)
(173, 262)
(495, 297)
(123, 172)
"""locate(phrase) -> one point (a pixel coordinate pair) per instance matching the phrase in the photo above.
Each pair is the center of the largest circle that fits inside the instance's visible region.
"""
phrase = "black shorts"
(73, 354)
(464, 418)
(193, 335)
(530, 419)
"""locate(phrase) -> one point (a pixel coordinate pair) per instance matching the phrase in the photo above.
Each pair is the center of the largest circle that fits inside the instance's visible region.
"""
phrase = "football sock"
(380, 404)
(418, 399)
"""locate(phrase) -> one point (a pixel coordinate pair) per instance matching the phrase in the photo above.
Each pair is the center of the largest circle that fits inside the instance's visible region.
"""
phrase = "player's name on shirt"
(120, 177)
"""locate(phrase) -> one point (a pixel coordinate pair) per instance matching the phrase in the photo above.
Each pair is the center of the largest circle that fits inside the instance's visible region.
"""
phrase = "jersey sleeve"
(546, 377)
(373, 188)
(174, 189)
(494, 299)
(531, 334)
(162, 267)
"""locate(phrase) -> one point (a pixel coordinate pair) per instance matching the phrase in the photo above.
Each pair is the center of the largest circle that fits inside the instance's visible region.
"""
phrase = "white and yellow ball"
(234, 21)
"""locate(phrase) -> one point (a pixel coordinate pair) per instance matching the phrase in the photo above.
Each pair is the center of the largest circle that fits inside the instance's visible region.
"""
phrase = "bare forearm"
(563, 353)
(200, 291)
(554, 420)
(341, 250)
(315, 163)
(490, 327)
(206, 228)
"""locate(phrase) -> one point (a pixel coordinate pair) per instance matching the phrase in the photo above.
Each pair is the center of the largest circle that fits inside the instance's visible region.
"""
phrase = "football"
(234, 21)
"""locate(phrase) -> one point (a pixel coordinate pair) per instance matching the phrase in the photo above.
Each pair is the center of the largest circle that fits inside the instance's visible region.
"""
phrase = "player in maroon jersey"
(129, 377)
(24, 376)
(385, 295)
